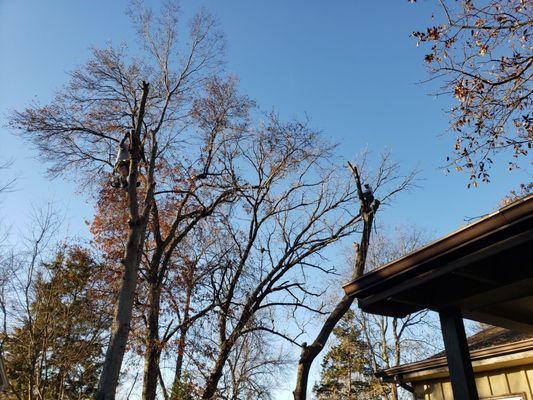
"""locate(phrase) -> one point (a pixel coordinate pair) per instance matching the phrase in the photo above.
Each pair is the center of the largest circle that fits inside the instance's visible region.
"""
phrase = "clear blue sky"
(352, 68)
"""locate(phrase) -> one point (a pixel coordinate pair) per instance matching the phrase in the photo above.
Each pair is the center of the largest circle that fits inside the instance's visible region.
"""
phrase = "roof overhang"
(485, 269)
(488, 359)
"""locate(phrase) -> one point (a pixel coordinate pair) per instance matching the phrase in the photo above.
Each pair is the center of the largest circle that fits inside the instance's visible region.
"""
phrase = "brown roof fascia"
(490, 223)
(501, 350)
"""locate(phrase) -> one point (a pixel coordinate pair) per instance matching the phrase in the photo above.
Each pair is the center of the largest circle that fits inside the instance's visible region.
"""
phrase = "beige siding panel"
(498, 384)
(439, 395)
(495, 383)
(483, 386)
(518, 382)
(447, 390)
(529, 374)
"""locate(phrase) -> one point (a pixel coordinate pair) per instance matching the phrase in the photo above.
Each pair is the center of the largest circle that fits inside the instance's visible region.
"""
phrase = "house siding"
(518, 380)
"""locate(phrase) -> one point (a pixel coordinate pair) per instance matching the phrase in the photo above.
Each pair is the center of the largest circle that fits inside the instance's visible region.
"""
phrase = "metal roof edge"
(496, 220)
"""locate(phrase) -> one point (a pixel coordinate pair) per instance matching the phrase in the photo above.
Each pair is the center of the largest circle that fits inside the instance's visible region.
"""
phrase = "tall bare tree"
(296, 204)
(392, 341)
(389, 182)
(269, 190)
(110, 97)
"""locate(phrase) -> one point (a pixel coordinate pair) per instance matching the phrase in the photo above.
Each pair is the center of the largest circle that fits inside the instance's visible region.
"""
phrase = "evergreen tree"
(57, 350)
(346, 370)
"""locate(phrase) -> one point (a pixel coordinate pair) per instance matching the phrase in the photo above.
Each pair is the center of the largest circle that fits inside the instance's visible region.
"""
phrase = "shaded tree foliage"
(56, 352)
(347, 371)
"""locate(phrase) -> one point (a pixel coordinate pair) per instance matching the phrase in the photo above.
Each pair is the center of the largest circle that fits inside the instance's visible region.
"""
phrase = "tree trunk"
(153, 349)
(153, 352)
(184, 329)
(226, 344)
(309, 353)
(213, 379)
(176, 384)
(394, 392)
(120, 329)
(122, 318)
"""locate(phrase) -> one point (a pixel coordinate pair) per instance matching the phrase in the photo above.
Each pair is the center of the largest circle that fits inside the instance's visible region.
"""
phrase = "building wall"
(489, 384)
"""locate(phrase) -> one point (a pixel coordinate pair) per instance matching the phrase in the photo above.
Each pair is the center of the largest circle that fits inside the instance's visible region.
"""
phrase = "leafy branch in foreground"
(481, 52)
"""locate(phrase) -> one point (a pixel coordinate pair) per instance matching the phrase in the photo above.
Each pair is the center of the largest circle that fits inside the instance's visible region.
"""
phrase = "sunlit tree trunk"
(309, 353)
(137, 223)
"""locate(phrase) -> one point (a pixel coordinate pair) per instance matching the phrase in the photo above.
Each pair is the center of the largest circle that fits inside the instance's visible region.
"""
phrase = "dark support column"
(459, 364)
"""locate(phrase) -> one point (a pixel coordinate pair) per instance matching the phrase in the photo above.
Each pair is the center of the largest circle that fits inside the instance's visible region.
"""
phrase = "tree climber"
(368, 194)
(122, 165)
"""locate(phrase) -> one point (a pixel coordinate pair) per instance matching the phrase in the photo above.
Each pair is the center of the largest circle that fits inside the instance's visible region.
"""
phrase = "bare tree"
(295, 205)
(386, 179)
(21, 269)
(275, 199)
(6, 185)
(105, 101)
(393, 341)
(190, 196)
(7, 256)
(481, 51)
(253, 368)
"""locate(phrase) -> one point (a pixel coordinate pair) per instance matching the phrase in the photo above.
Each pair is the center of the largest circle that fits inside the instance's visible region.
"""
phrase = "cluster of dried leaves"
(483, 55)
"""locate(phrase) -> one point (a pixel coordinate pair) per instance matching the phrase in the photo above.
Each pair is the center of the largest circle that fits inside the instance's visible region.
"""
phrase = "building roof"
(490, 337)
(484, 269)
(490, 348)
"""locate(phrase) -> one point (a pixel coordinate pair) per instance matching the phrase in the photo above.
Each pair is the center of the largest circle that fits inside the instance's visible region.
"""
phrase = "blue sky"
(351, 67)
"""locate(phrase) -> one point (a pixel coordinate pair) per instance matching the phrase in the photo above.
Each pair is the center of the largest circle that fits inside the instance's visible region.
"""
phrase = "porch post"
(457, 354)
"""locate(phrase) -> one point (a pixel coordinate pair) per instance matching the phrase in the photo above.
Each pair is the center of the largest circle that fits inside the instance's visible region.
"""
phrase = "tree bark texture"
(213, 379)
(153, 351)
(132, 257)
